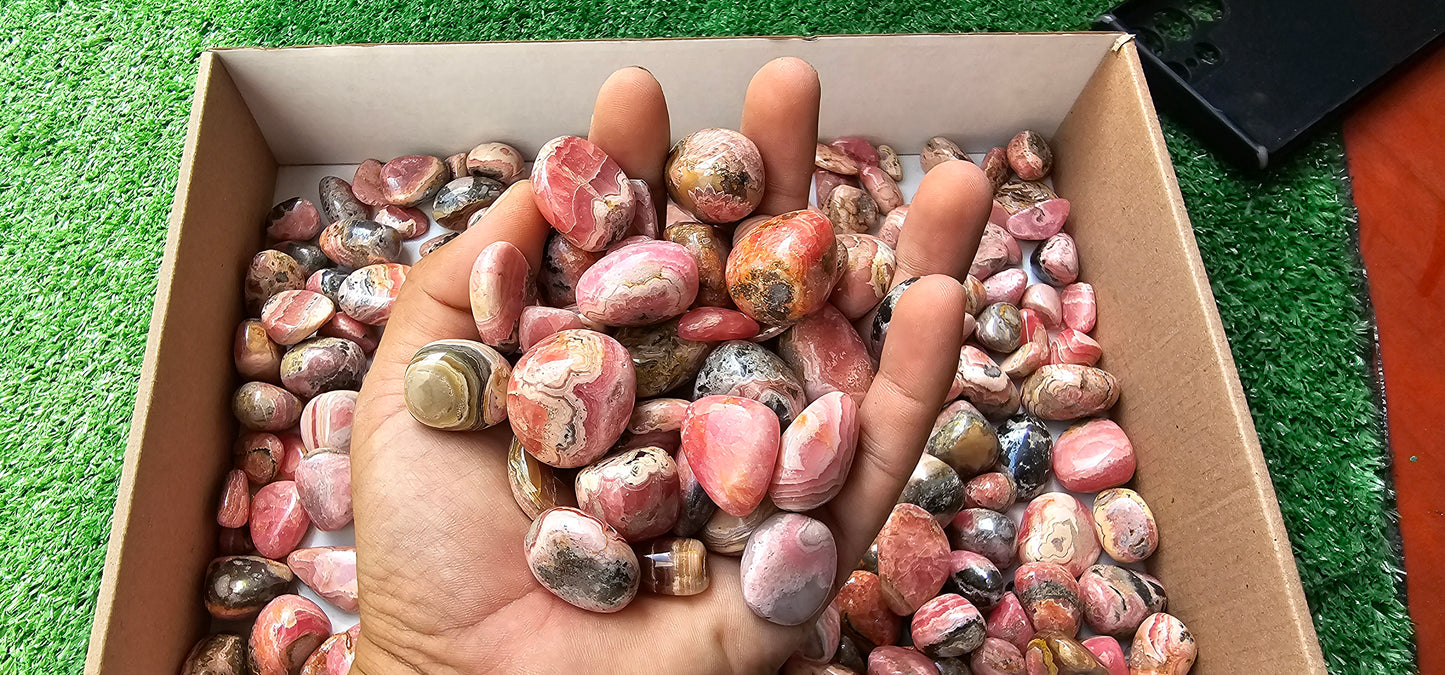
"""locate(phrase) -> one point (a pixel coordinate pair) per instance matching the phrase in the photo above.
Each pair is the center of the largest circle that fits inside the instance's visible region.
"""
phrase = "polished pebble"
(1054, 654)
(431, 245)
(269, 273)
(995, 166)
(294, 219)
(1007, 621)
(535, 486)
(662, 359)
(963, 439)
(1033, 352)
(709, 249)
(1079, 306)
(338, 202)
(912, 558)
(1045, 301)
(1056, 261)
(851, 210)
(1116, 600)
(947, 626)
(292, 316)
(935, 487)
(821, 641)
(1125, 525)
(562, 265)
(639, 285)
(235, 505)
(882, 188)
(499, 287)
(237, 587)
(540, 321)
(697, 508)
(739, 368)
(976, 578)
(278, 521)
(716, 174)
(581, 560)
(1035, 213)
(1093, 455)
(1071, 346)
(1057, 528)
(360, 242)
(999, 327)
(644, 215)
(347, 328)
(326, 282)
(785, 268)
(457, 385)
(497, 161)
(829, 158)
(1029, 155)
(891, 225)
(857, 148)
(306, 254)
(412, 179)
(867, 271)
(265, 407)
(993, 252)
(826, 352)
(582, 192)
(1068, 392)
(636, 493)
(285, 634)
(330, 571)
(1006, 287)
(293, 447)
(997, 657)
(1163, 646)
(728, 534)
(323, 482)
(863, 610)
(899, 661)
(673, 566)
(815, 454)
(824, 182)
(335, 655)
(988, 533)
(980, 381)
(459, 199)
(408, 222)
(324, 364)
(1050, 596)
(883, 318)
(939, 150)
(992, 490)
(1109, 654)
(368, 294)
(219, 654)
(716, 324)
(788, 567)
(366, 183)
(889, 162)
(258, 455)
(255, 355)
(732, 446)
(1025, 454)
(570, 397)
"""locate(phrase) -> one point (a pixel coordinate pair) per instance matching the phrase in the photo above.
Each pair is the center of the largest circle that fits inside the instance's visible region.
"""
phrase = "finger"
(780, 116)
(630, 124)
(945, 221)
(914, 374)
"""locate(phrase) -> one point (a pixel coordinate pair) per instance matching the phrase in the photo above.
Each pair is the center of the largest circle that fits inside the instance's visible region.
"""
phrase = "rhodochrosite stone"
(539, 321)
(638, 284)
(326, 420)
(219, 654)
(581, 560)
(582, 192)
(717, 174)
(732, 446)
(862, 608)
(935, 487)
(1109, 654)
(570, 397)
(1125, 525)
(997, 657)
(1050, 597)
(1163, 646)
(1007, 621)
(1093, 455)
(662, 360)
(266, 407)
(323, 480)
(963, 439)
(827, 353)
(291, 316)
(330, 571)
(1080, 306)
(785, 268)
(815, 454)
(738, 368)
(1058, 528)
(788, 568)
(975, 578)
(1117, 600)
(912, 558)
(728, 534)
(697, 507)
(947, 625)
(288, 630)
(988, 533)
(1067, 392)
(278, 521)
(636, 493)
(499, 286)
(821, 643)
(235, 506)
(457, 385)
(716, 324)
(295, 219)
(899, 661)
(412, 179)
(562, 265)
(867, 271)
(321, 365)
(368, 293)
(535, 486)
(710, 249)
(237, 587)
(335, 655)
(1053, 653)
(1071, 346)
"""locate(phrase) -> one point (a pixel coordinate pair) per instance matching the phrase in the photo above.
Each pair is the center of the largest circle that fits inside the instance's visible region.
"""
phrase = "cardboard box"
(1226, 558)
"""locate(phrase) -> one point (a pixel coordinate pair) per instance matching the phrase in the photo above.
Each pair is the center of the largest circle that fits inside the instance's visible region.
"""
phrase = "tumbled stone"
(899, 661)
(540, 321)
(412, 179)
(234, 541)
(235, 505)
(569, 398)
(255, 355)
(891, 225)
(912, 558)
(999, 327)
(857, 148)
(1054, 654)
(980, 381)
(431, 245)
(824, 182)
(294, 219)
(963, 439)
(366, 183)
(347, 328)
(258, 455)
(278, 520)
(947, 626)
(644, 215)
(409, 223)
(1079, 306)
(738, 368)
(1029, 155)
(497, 161)
(953, 666)
(697, 508)
(1007, 621)
(661, 359)
(269, 273)
(1050, 597)
(815, 454)
(975, 578)
(359, 242)
(1058, 528)
(785, 268)
(459, 199)
(993, 491)
(338, 202)
(1056, 261)
(727, 534)
(287, 631)
(997, 657)
(291, 316)
(716, 324)
(829, 158)
(1163, 646)
(1125, 525)
(1072, 346)
(731, 445)
(1044, 301)
(992, 254)
(499, 287)
(1005, 287)
(851, 210)
(1067, 392)
(323, 481)
(562, 265)
(639, 285)
(990, 534)
(937, 151)
(889, 162)
(716, 174)
(237, 587)
(323, 364)
(935, 487)
(636, 493)
(368, 294)
(1025, 454)
(457, 385)
(867, 271)
(293, 448)
(1035, 213)
(862, 609)
(582, 192)
(330, 571)
(219, 654)
(326, 282)
(827, 353)
(306, 254)
(882, 189)
(265, 407)
(788, 567)
(335, 655)
(996, 166)
(1116, 600)
(535, 487)
(821, 641)
(1033, 351)
(1109, 654)
(581, 560)
(796, 665)
(709, 249)
(1093, 455)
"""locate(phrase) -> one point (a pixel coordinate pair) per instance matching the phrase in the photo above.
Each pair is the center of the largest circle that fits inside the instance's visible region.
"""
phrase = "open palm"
(444, 584)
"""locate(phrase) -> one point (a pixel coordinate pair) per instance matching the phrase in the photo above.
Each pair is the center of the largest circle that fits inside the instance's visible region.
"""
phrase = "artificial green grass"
(95, 101)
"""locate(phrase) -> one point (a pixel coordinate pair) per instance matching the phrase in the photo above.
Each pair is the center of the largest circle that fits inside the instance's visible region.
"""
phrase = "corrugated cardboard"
(1225, 559)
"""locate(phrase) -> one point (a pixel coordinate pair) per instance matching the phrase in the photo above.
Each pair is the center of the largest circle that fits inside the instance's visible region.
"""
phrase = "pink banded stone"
(913, 560)
(285, 634)
(717, 174)
(1071, 346)
(409, 223)
(499, 286)
(815, 454)
(292, 316)
(997, 657)
(412, 179)
(235, 507)
(947, 626)
(256, 356)
(785, 268)
(497, 161)
(1056, 261)
(827, 353)
(716, 324)
(1117, 600)
(636, 493)
(732, 446)
(1006, 286)
(1058, 528)
(216, 654)
(539, 321)
(644, 216)
(1032, 353)
(347, 328)
(822, 641)
(366, 184)
(278, 520)
(1069, 392)
(1007, 621)
(582, 192)
(581, 560)
(1093, 455)
(639, 284)
(1044, 300)
(867, 273)
(1125, 525)
(881, 188)
(323, 482)
(899, 661)
(857, 148)
(265, 407)
(368, 293)
(326, 420)
(992, 255)
(1163, 646)
(891, 225)
(979, 380)
(335, 655)
(1109, 654)
(697, 508)
(993, 491)
(292, 449)
(1050, 597)
(258, 455)
(862, 608)
(562, 265)
(1039, 221)
(658, 414)
(295, 219)
(1079, 306)
(570, 397)
(788, 568)
(825, 181)
(330, 571)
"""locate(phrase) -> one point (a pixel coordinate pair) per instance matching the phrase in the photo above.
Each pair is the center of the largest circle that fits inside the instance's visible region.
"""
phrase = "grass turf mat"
(95, 102)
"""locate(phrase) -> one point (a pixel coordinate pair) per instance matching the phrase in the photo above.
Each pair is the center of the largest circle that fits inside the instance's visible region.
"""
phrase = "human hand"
(444, 584)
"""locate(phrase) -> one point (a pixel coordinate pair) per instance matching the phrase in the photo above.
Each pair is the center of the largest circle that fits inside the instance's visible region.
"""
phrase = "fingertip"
(630, 123)
(780, 116)
(945, 221)
(789, 70)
